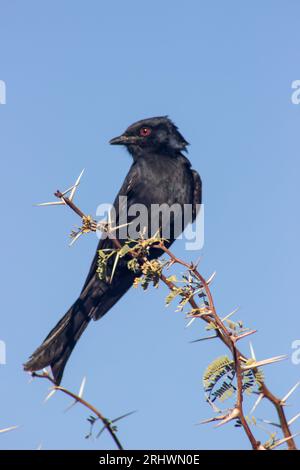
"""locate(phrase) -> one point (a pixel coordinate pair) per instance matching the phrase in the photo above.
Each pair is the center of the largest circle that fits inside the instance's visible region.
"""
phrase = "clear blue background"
(77, 74)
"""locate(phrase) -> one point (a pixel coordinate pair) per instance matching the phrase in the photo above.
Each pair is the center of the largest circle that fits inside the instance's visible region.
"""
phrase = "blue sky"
(77, 74)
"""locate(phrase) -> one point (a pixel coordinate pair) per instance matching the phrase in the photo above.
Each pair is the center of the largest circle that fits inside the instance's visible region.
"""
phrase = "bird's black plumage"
(160, 174)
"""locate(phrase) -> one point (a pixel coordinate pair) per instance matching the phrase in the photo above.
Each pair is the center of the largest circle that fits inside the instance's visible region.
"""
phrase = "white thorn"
(260, 397)
(211, 420)
(114, 267)
(282, 441)
(54, 203)
(232, 415)
(264, 362)
(75, 186)
(11, 428)
(230, 314)
(252, 351)
(190, 322)
(209, 280)
(80, 393)
(284, 399)
(292, 420)
(50, 394)
(75, 238)
(112, 229)
(67, 190)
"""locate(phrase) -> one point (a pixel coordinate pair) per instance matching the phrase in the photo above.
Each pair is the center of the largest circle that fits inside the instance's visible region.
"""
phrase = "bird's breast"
(167, 181)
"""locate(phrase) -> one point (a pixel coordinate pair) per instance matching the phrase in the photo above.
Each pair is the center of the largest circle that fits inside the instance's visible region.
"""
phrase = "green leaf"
(171, 296)
(220, 368)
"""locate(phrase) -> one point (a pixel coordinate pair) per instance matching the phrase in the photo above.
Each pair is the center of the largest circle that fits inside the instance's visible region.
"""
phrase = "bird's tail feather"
(94, 302)
(57, 347)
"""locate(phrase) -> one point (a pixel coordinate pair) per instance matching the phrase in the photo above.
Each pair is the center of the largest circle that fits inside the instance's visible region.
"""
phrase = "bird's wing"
(128, 189)
(197, 193)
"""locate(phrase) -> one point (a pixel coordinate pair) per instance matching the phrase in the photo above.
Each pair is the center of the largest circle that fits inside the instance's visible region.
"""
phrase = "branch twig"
(106, 422)
(230, 341)
(222, 332)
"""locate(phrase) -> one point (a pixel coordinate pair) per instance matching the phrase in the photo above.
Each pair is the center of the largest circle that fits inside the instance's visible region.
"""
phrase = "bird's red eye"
(145, 131)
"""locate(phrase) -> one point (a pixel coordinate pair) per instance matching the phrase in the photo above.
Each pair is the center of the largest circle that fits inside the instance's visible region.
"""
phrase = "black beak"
(123, 140)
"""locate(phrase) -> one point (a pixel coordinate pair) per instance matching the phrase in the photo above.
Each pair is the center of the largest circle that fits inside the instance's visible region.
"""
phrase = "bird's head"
(157, 134)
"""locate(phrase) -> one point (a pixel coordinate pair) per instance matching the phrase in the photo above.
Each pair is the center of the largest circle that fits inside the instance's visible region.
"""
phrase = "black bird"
(159, 174)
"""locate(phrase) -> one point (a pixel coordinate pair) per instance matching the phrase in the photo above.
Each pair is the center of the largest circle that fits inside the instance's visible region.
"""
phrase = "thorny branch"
(210, 316)
(230, 341)
(78, 399)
